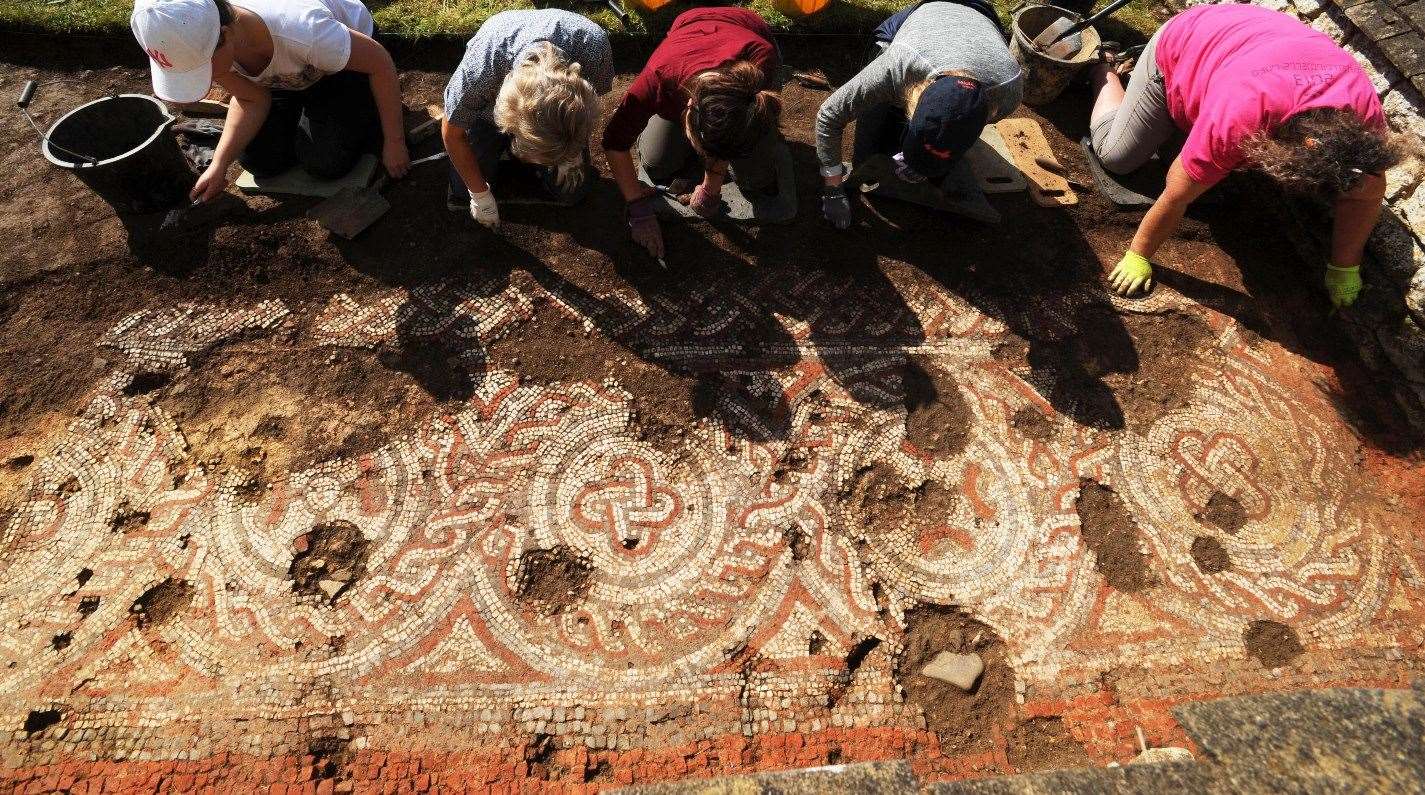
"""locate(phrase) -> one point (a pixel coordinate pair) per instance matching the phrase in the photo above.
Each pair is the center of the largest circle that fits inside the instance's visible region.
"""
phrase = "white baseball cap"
(179, 37)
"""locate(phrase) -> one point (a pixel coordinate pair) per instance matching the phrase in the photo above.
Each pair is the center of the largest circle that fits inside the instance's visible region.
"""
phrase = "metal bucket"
(138, 166)
(1046, 77)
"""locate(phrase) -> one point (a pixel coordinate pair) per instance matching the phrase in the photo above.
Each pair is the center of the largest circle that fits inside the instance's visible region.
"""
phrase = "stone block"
(1395, 249)
(1415, 12)
(1404, 346)
(1327, 23)
(1378, 20)
(1383, 74)
(1309, 9)
(1406, 52)
(1415, 297)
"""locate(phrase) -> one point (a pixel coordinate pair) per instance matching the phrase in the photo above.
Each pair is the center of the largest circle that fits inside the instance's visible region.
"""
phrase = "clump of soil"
(937, 419)
(61, 641)
(1045, 744)
(88, 605)
(1273, 643)
(127, 520)
(552, 347)
(1110, 532)
(1210, 556)
(331, 758)
(1162, 381)
(1224, 511)
(882, 503)
(552, 580)
(798, 541)
(329, 560)
(1033, 424)
(40, 719)
(162, 602)
(275, 409)
(961, 719)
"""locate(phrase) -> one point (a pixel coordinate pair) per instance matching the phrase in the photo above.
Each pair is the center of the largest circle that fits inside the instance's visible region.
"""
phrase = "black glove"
(836, 206)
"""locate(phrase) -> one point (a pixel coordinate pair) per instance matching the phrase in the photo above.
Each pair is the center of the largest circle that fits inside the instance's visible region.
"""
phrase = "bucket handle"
(27, 95)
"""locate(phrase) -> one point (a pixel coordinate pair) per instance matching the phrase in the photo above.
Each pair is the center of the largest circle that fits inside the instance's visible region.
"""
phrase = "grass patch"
(427, 18)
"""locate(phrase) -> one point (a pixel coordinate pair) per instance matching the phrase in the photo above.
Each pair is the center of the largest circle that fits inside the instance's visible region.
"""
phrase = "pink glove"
(703, 201)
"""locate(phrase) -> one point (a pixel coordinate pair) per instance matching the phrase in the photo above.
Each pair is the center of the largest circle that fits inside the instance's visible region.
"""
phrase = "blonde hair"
(911, 97)
(548, 109)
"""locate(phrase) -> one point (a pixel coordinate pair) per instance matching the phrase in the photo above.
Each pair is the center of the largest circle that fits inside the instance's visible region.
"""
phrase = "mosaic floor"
(530, 591)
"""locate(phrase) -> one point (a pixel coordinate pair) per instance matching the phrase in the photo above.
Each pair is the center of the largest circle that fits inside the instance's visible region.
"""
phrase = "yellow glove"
(1343, 285)
(1133, 273)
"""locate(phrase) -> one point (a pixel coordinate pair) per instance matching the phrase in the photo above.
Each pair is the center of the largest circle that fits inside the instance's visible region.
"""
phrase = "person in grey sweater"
(941, 71)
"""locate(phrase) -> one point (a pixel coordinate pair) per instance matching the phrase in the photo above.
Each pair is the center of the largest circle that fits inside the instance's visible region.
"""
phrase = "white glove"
(484, 209)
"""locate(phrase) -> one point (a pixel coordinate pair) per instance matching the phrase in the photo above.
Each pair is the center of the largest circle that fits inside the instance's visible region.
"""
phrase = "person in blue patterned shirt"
(528, 87)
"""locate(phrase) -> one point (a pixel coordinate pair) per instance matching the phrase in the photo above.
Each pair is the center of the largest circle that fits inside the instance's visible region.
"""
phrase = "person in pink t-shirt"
(1252, 88)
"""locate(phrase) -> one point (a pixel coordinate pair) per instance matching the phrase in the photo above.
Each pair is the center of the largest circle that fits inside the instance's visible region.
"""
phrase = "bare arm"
(247, 110)
(371, 59)
(1166, 213)
(1356, 215)
(462, 156)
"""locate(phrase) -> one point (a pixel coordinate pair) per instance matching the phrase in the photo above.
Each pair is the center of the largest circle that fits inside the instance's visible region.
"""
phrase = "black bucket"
(138, 166)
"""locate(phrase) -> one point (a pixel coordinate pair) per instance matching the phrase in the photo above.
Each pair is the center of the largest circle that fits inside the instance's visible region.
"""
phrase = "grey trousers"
(1128, 137)
(665, 152)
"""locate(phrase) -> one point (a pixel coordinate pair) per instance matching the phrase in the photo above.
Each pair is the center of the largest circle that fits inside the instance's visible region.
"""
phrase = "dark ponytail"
(730, 110)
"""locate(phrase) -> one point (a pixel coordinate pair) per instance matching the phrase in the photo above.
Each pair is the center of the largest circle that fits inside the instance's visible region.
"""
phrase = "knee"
(329, 162)
(262, 163)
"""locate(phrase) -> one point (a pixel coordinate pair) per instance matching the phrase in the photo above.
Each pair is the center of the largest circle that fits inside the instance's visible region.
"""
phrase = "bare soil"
(1045, 744)
(1224, 512)
(162, 602)
(960, 718)
(1209, 555)
(552, 580)
(1110, 532)
(329, 560)
(260, 411)
(937, 418)
(1273, 643)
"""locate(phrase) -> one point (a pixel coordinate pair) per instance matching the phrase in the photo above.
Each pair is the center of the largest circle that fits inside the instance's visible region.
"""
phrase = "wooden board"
(993, 164)
(1026, 142)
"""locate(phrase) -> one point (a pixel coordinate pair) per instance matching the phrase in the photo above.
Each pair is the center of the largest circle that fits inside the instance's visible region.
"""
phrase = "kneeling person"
(528, 88)
(309, 85)
(1254, 88)
(705, 91)
(941, 71)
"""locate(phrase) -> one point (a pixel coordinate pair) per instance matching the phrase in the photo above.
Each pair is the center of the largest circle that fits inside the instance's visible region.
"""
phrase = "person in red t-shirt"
(706, 90)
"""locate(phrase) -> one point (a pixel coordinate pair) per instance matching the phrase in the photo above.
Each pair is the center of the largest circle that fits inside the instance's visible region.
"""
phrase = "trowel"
(1062, 40)
(352, 210)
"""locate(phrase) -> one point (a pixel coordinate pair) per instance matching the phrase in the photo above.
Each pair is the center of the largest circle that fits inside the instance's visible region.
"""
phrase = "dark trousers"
(491, 145)
(324, 128)
(666, 153)
(880, 130)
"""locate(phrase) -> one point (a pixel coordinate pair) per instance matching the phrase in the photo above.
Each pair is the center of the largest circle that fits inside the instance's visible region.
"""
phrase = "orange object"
(647, 5)
(801, 8)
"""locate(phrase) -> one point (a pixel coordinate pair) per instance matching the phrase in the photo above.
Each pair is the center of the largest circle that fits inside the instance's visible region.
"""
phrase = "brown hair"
(730, 110)
(1323, 150)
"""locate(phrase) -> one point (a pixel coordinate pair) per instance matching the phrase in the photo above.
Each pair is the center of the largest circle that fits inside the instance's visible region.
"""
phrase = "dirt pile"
(1112, 535)
(328, 561)
(552, 580)
(962, 719)
(1273, 643)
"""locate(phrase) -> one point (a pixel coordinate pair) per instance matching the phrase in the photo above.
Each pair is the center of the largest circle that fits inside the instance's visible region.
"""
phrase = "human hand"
(396, 158)
(836, 206)
(703, 200)
(484, 209)
(1133, 273)
(1343, 285)
(643, 224)
(210, 184)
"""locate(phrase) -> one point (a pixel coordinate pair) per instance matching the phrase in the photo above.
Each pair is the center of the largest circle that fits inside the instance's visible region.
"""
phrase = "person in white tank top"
(309, 85)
